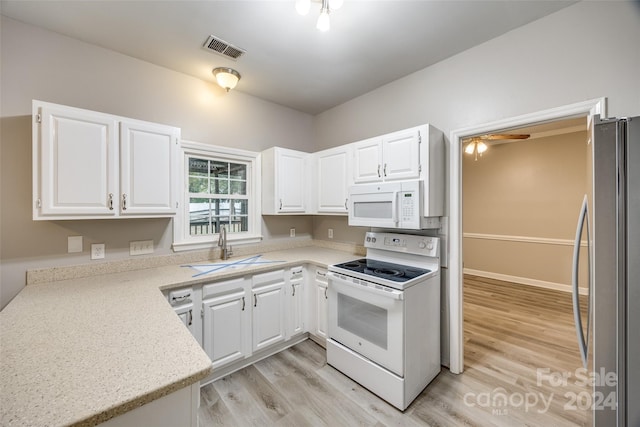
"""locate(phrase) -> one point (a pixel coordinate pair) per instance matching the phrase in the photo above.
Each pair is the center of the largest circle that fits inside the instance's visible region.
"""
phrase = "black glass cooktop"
(383, 270)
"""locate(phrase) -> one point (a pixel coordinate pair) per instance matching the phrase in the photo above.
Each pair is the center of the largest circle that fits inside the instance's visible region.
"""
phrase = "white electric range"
(384, 316)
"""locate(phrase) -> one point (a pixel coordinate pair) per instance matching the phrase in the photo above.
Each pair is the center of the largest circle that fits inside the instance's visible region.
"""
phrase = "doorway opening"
(455, 282)
(521, 199)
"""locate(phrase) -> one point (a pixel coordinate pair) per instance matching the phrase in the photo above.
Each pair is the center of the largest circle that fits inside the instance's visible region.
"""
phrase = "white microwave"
(389, 205)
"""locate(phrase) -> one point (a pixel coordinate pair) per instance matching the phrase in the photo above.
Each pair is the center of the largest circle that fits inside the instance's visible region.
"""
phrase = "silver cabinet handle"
(384, 170)
(242, 303)
(321, 274)
(190, 317)
(110, 201)
(583, 341)
(181, 298)
(293, 294)
(379, 176)
(325, 292)
(346, 206)
(255, 300)
(124, 202)
(280, 204)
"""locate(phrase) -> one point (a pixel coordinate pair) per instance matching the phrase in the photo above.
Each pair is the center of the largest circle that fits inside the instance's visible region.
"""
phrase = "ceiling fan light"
(482, 147)
(470, 148)
(303, 6)
(324, 24)
(335, 4)
(227, 78)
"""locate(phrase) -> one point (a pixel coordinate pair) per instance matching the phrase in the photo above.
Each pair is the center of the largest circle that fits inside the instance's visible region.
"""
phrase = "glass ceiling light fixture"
(327, 6)
(477, 147)
(227, 78)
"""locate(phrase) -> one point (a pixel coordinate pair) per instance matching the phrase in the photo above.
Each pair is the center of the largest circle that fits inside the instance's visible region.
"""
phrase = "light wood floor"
(510, 332)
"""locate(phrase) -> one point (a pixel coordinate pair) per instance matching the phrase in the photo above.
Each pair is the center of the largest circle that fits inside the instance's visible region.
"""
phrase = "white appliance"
(402, 205)
(384, 316)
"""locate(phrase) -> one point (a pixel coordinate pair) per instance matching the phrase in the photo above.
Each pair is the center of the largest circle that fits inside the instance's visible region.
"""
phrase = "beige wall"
(528, 193)
(585, 51)
(38, 64)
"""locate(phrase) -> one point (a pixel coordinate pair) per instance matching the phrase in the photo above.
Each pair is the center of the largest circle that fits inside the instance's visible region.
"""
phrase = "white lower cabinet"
(321, 307)
(185, 313)
(317, 304)
(268, 309)
(245, 317)
(296, 300)
(226, 324)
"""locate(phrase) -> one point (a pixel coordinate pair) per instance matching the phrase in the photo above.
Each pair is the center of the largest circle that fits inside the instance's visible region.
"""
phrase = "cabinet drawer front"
(268, 278)
(224, 287)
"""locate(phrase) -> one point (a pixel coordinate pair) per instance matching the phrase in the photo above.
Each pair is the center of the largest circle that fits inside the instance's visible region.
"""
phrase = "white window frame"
(182, 238)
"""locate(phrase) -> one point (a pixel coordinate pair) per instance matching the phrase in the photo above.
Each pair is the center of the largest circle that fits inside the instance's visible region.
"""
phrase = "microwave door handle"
(394, 208)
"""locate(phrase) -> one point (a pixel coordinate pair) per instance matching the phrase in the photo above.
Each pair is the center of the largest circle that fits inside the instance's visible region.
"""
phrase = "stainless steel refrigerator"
(609, 330)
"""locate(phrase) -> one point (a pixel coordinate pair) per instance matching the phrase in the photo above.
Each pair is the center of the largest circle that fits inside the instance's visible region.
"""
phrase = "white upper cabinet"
(93, 165)
(394, 156)
(401, 155)
(284, 178)
(148, 169)
(73, 156)
(333, 174)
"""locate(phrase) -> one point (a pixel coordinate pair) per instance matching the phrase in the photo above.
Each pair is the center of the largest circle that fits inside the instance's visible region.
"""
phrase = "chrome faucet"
(225, 252)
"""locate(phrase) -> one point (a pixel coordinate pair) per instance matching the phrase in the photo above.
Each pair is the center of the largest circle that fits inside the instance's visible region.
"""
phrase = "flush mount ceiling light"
(475, 144)
(323, 24)
(227, 78)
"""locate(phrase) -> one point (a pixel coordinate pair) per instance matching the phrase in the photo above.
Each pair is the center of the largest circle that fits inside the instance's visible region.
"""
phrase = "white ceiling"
(288, 61)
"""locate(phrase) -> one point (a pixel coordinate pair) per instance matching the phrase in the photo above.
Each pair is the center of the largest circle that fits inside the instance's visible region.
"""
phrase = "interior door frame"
(456, 315)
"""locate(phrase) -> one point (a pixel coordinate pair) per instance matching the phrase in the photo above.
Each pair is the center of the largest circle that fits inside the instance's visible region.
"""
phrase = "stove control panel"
(409, 243)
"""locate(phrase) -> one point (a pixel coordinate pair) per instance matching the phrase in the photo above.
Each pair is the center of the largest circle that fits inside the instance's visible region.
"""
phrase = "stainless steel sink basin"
(229, 264)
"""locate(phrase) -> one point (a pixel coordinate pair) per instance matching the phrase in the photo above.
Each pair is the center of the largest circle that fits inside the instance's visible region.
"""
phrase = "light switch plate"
(74, 244)
(141, 247)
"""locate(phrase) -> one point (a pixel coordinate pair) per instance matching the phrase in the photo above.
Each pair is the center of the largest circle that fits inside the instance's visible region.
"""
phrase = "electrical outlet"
(97, 251)
(292, 232)
(331, 233)
(141, 247)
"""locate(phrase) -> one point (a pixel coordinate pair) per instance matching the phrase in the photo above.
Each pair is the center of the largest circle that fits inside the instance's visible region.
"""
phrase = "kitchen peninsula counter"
(82, 351)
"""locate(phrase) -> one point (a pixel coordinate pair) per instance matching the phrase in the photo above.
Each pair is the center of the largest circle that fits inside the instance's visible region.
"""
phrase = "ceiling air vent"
(217, 45)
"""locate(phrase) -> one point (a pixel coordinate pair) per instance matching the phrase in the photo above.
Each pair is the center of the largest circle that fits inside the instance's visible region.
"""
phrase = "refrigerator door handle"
(583, 339)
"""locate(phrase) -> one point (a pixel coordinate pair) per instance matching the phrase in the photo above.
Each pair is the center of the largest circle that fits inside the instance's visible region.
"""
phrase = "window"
(220, 189)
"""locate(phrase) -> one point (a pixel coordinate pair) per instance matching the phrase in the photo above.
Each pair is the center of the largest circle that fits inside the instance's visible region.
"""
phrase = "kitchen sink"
(229, 264)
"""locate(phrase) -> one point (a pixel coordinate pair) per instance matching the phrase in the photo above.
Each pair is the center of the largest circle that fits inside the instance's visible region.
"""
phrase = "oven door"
(368, 320)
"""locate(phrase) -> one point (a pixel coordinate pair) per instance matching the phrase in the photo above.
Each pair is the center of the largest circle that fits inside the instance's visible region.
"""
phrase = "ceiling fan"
(476, 144)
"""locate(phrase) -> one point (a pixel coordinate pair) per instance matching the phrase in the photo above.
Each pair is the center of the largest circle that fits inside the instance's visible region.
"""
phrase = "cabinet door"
(75, 171)
(148, 155)
(322, 307)
(268, 315)
(401, 154)
(296, 304)
(333, 180)
(185, 313)
(367, 160)
(291, 181)
(225, 324)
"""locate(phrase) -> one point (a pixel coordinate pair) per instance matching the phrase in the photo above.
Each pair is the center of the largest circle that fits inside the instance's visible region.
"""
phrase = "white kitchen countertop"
(82, 351)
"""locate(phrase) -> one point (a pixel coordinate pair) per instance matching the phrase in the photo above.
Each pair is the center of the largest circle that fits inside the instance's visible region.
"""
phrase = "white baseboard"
(524, 280)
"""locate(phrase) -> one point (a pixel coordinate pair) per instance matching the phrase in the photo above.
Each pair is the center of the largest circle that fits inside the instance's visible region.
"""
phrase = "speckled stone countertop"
(81, 351)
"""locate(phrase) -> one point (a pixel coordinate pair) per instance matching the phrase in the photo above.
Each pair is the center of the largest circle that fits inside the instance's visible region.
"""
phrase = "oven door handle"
(393, 294)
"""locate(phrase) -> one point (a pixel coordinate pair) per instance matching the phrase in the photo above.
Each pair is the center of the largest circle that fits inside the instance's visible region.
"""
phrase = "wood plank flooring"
(511, 331)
